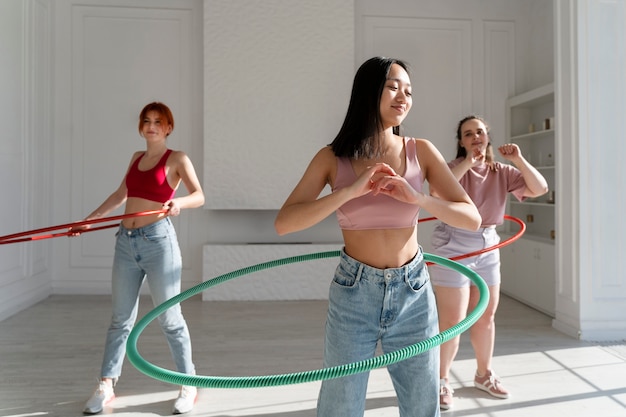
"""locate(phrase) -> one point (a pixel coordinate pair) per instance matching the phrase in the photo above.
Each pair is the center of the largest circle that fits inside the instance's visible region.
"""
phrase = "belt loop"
(359, 272)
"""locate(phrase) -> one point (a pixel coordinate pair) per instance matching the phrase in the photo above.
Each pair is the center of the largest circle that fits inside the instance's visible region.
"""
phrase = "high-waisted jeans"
(395, 306)
(151, 253)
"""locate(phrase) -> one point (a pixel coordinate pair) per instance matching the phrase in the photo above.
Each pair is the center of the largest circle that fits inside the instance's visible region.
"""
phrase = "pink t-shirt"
(488, 189)
(380, 211)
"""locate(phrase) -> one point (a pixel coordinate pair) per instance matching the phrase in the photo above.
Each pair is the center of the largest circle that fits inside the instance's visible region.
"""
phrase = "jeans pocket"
(155, 237)
(417, 280)
(344, 278)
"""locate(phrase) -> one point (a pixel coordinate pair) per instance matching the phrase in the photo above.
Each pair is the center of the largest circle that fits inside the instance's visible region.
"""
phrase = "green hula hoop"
(178, 378)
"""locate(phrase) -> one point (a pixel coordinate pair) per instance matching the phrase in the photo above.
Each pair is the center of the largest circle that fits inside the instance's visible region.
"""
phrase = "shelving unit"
(530, 124)
(528, 266)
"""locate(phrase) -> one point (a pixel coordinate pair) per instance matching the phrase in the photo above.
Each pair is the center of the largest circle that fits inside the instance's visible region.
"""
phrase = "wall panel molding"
(25, 275)
(498, 74)
(112, 65)
(590, 106)
(111, 57)
(436, 49)
(39, 128)
(604, 107)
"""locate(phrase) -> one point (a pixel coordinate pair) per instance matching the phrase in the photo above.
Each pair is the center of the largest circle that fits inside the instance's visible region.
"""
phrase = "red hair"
(160, 108)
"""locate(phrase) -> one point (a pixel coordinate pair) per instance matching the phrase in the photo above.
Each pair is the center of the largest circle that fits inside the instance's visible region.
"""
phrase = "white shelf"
(533, 203)
(533, 98)
(547, 133)
(532, 256)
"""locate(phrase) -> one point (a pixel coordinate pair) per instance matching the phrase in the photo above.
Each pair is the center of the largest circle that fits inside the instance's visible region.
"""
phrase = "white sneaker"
(186, 399)
(101, 396)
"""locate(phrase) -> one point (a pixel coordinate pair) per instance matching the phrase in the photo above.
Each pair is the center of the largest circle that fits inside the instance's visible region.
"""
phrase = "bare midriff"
(382, 248)
(136, 205)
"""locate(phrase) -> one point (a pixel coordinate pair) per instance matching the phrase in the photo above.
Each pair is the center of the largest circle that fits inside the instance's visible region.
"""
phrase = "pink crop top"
(488, 189)
(380, 211)
(151, 184)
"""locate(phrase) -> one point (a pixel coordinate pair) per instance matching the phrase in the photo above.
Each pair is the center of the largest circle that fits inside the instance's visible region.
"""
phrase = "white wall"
(532, 44)
(277, 80)
(25, 275)
(84, 267)
(466, 56)
(41, 190)
(285, 53)
(591, 104)
(111, 59)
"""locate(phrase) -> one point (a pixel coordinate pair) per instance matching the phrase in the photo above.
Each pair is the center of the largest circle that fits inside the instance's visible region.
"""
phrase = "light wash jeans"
(395, 306)
(150, 253)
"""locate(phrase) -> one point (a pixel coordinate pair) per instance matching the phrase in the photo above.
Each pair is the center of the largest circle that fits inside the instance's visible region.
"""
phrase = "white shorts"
(448, 242)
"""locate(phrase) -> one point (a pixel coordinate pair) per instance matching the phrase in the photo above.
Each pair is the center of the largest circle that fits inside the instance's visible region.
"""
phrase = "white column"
(590, 108)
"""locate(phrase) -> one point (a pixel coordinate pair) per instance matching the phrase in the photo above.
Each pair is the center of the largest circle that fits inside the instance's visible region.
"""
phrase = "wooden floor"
(50, 357)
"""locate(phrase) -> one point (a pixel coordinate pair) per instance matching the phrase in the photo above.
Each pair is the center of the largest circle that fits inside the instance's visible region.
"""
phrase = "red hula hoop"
(19, 237)
(520, 232)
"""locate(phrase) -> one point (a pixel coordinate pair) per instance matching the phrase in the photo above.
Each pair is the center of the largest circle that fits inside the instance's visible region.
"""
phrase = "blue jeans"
(150, 253)
(395, 306)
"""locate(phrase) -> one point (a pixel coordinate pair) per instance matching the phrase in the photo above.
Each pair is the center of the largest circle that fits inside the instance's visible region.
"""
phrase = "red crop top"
(379, 211)
(151, 184)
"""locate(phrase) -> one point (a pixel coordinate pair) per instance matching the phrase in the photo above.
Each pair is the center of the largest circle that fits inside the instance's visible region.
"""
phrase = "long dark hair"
(460, 150)
(359, 134)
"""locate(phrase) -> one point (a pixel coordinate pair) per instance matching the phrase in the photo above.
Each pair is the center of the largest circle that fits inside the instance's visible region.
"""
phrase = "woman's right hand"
(369, 180)
(476, 157)
(77, 230)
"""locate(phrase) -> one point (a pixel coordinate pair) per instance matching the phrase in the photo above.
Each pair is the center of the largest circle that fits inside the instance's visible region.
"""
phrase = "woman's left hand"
(172, 207)
(395, 186)
(509, 151)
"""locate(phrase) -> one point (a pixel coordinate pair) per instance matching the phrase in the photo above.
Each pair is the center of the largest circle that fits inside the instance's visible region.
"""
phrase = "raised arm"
(536, 184)
(303, 208)
(472, 159)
